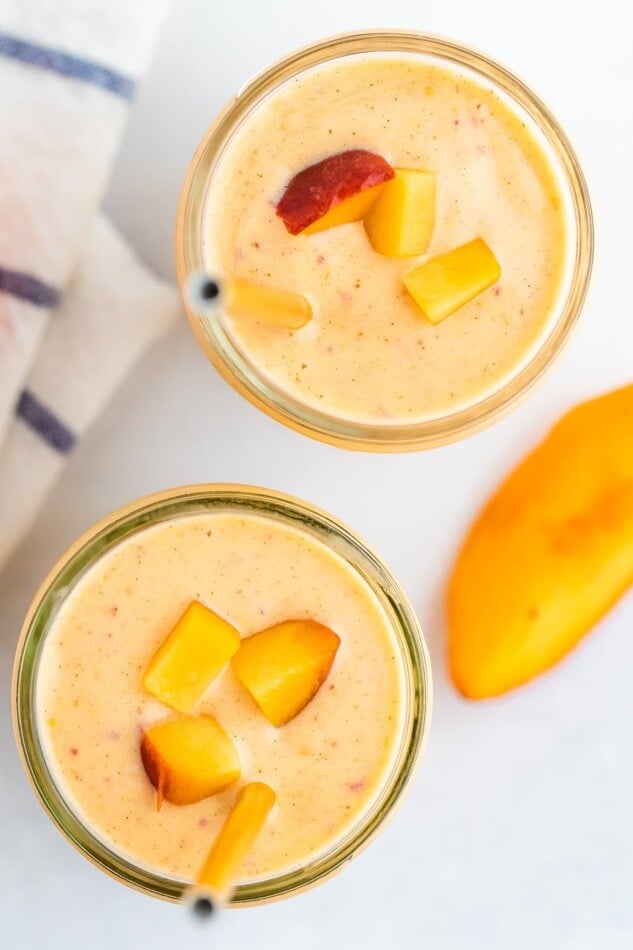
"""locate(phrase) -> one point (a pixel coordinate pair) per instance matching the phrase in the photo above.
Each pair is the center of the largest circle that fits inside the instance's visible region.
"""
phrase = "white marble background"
(518, 832)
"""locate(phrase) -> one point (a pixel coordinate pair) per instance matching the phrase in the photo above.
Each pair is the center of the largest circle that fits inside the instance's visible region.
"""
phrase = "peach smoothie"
(369, 355)
(443, 159)
(328, 765)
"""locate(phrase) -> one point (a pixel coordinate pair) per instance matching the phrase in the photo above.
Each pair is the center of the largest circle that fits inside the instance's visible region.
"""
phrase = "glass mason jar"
(233, 363)
(128, 522)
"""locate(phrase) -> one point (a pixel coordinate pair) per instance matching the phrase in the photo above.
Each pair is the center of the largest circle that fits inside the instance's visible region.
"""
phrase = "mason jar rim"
(243, 376)
(181, 502)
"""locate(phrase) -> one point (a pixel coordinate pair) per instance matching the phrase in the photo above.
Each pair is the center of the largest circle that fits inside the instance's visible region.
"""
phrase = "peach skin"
(400, 222)
(549, 554)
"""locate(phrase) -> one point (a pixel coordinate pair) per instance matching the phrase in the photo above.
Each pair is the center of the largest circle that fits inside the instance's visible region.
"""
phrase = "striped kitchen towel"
(76, 306)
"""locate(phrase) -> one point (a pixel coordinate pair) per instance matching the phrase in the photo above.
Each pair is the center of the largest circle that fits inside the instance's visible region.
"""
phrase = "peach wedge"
(190, 657)
(400, 222)
(187, 760)
(445, 283)
(284, 666)
(550, 553)
(236, 837)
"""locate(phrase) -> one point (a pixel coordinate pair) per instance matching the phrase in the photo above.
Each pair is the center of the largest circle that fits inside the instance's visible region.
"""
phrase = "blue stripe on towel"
(43, 57)
(42, 421)
(25, 287)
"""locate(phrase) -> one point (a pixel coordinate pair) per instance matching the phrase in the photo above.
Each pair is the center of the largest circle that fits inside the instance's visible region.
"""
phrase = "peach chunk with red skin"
(284, 666)
(189, 759)
(334, 191)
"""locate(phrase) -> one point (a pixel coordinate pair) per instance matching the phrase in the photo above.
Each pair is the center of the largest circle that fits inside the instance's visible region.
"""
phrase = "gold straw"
(243, 298)
(216, 878)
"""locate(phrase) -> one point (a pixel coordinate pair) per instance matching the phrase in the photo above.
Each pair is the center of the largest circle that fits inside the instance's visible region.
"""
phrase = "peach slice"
(445, 283)
(187, 760)
(335, 191)
(400, 222)
(191, 656)
(284, 666)
(549, 554)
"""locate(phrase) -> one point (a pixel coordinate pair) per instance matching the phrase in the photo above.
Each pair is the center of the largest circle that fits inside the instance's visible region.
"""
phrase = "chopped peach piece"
(445, 283)
(550, 553)
(400, 222)
(331, 192)
(278, 308)
(187, 760)
(284, 666)
(190, 657)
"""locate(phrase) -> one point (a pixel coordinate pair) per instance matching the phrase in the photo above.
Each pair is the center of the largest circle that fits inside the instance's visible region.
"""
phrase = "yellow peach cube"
(337, 190)
(284, 666)
(400, 222)
(548, 555)
(187, 760)
(190, 657)
(445, 283)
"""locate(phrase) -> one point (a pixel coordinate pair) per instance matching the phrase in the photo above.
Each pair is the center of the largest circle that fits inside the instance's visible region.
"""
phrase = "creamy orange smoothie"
(362, 350)
(369, 355)
(327, 765)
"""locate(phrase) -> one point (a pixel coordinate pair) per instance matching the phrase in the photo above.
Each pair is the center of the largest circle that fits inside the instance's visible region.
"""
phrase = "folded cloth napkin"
(76, 306)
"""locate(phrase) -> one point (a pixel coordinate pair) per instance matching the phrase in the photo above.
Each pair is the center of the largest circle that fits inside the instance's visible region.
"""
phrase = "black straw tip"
(209, 289)
(203, 907)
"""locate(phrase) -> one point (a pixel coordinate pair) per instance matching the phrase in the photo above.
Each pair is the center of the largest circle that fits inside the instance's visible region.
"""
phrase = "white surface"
(518, 830)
